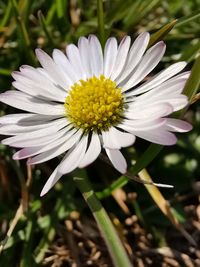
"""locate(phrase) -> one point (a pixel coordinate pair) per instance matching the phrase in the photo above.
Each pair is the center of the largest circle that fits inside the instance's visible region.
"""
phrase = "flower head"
(88, 99)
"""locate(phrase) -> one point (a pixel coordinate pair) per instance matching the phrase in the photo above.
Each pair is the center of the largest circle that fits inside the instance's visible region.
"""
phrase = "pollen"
(94, 104)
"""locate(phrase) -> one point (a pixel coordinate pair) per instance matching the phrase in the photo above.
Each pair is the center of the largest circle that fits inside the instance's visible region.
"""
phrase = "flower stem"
(116, 249)
(101, 27)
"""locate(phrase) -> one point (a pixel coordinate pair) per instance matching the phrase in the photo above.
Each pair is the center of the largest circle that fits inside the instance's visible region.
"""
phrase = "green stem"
(100, 16)
(141, 163)
(116, 249)
(120, 182)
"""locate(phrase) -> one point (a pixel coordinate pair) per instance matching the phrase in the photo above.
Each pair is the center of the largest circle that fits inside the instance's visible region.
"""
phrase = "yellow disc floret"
(94, 104)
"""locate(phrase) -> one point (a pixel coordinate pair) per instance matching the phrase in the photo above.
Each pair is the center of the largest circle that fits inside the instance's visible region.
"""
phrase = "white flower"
(91, 99)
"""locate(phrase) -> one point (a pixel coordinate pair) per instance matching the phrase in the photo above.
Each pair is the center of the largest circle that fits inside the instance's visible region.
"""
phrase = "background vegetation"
(58, 229)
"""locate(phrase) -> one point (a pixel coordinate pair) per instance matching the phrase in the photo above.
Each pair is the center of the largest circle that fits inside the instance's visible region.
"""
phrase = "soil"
(78, 242)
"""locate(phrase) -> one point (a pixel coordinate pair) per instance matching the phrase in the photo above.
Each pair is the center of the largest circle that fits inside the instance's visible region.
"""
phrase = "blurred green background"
(38, 235)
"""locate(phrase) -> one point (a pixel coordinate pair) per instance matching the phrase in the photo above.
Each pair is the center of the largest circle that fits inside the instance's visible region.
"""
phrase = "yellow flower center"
(94, 104)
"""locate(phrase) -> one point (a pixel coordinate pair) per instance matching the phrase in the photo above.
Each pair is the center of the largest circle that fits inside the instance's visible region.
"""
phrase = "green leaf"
(160, 34)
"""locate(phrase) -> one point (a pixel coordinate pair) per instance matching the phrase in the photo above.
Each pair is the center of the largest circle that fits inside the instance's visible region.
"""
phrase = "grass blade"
(164, 205)
(44, 27)
(193, 82)
(187, 19)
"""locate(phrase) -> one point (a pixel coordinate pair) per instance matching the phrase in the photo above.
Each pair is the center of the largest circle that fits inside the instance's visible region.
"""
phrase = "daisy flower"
(91, 99)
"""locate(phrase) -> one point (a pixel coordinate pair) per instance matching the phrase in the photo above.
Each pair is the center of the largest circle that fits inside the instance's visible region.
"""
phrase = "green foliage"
(26, 25)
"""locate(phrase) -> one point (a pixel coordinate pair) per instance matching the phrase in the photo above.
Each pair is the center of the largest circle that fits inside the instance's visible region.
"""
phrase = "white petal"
(51, 68)
(66, 140)
(115, 139)
(84, 50)
(69, 160)
(160, 78)
(148, 111)
(150, 60)
(28, 103)
(122, 138)
(14, 129)
(108, 141)
(55, 176)
(141, 125)
(92, 152)
(73, 157)
(135, 54)
(96, 56)
(117, 160)
(56, 150)
(168, 89)
(75, 60)
(38, 138)
(26, 130)
(39, 81)
(63, 63)
(24, 117)
(177, 102)
(110, 53)
(121, 57)
(36, 91)
(176, 125)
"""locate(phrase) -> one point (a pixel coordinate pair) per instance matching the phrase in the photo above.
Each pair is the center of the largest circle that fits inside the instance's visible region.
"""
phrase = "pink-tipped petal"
(176, 125)
(159, 136)
(26, 152)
